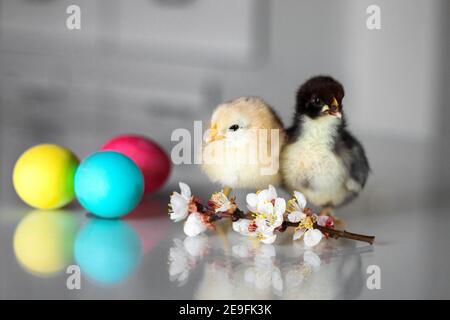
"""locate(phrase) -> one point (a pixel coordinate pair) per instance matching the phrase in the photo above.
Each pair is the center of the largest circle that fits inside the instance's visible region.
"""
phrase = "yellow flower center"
(307, 223)
(219, 197)
(291, 205)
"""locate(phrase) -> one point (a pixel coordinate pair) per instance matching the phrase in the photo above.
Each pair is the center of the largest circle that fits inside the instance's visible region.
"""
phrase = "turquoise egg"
(107, 251)
(108, 184)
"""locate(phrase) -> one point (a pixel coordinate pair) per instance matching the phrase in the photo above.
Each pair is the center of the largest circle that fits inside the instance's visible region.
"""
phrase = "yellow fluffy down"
(249, 156)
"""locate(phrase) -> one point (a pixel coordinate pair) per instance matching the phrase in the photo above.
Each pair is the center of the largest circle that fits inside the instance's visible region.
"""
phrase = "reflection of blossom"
(217, 282)
(249, 250)
(184, 255)
(263, 274)
(196, 247)
(312, 259)
(179, 263)
(298, 273)
(179, 203)
(268, 212)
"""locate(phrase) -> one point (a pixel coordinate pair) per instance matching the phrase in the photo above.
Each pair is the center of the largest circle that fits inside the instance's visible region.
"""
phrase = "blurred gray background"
(150, 66)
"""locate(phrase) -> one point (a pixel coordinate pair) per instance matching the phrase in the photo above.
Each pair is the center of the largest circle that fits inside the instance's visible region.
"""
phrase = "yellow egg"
(43, 176)
(43, 241)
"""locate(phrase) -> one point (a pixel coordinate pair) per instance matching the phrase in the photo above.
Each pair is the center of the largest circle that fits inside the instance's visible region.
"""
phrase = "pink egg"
(148, 156)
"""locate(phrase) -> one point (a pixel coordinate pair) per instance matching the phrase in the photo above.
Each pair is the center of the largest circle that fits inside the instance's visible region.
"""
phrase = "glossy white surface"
(410, 249)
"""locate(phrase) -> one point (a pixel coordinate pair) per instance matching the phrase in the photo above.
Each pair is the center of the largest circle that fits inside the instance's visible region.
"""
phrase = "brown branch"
(333, 233)
(336, 234)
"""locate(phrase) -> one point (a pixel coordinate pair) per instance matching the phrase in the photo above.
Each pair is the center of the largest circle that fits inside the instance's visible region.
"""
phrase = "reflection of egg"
(43, 241)
(107, 250)
(149, 220)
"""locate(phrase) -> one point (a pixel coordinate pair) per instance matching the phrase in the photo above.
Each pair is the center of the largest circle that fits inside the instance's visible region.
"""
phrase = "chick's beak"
(213, 134)
(334, 110)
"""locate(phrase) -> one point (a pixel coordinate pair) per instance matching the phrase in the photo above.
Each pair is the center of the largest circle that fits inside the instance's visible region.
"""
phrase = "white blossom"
(222, 201)
(255, 201)
(312, 237)
(241, 226)
(194, 225)
(296, 207)
(179, 203)
(270, 216)
(268, 211)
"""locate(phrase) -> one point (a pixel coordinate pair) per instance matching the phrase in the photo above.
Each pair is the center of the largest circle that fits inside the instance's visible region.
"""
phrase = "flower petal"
(177, 200)
(264, 225)
(280, 206)
(178, 216)
(270, 239)
(267, 195)
(301, 200)
(322, 220)
(278, 221)
(241, 226)
(297, 234)
(225, 207)
(194, 225)
(179, 207)
(312, 237)
(266, 209)
(263, 196)
(252, 202)
(185, 190)
(272, 192)
(295, 216)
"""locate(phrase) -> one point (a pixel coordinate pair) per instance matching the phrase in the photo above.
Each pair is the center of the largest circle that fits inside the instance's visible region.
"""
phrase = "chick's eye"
(316, 101)
(234, 127)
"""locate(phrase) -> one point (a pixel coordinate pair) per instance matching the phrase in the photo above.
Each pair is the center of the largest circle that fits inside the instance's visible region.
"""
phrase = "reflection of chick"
(242, 149)
(323, 159)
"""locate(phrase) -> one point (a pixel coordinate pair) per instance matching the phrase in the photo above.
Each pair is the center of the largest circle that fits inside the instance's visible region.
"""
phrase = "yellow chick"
(243, 144)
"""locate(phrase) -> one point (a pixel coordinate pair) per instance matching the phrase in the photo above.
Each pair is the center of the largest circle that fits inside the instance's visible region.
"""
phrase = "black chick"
(322, 159)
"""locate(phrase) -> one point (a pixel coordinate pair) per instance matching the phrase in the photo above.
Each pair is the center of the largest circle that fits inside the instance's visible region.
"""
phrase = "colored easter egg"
(108, 184)
(43, 176)
(151, 159)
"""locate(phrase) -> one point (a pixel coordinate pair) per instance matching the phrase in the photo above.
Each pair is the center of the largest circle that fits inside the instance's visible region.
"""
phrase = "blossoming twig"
(266, 214)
